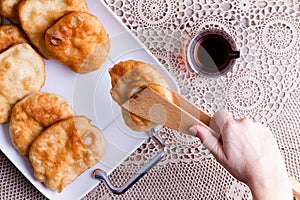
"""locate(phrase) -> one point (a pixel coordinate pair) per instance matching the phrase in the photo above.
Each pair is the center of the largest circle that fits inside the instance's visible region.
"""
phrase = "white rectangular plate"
(89, 95)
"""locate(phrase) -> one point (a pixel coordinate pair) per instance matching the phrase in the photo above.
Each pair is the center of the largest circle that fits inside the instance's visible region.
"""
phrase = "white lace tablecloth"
(264, 84)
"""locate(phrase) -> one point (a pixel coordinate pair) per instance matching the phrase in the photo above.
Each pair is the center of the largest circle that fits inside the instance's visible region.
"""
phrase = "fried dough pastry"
(9, 36)
(37, 16)
(22, 72)
(34, 114)
(79, 41)
(9, 10)
(129, 77)
(64, 151)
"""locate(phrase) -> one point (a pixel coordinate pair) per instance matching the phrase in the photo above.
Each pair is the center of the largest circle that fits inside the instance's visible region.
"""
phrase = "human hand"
(250, 153)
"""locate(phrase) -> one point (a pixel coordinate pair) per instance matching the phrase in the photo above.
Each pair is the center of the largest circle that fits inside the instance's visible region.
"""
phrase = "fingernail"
(193, 130)
(220, 118)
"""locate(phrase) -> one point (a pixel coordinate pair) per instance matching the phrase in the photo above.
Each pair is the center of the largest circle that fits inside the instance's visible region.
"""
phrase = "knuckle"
(228, 125)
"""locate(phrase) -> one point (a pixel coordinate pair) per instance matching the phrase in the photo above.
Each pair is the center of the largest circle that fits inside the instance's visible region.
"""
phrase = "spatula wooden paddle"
(180, 116)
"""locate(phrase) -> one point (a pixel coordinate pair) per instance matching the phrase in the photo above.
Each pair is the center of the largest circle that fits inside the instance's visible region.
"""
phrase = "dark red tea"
(211, 53)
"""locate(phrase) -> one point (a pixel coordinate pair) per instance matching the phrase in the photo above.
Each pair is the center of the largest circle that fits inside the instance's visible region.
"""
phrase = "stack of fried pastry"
(61, 29)
(43, 126)
(64, 151)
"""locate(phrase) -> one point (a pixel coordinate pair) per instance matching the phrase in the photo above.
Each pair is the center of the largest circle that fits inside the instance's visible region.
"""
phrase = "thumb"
(208, 140)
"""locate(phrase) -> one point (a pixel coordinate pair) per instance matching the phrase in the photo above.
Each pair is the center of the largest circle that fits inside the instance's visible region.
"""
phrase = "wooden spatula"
(180, 116)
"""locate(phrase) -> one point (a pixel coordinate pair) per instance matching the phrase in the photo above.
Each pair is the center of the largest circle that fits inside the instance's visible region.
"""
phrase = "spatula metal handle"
(102, 175)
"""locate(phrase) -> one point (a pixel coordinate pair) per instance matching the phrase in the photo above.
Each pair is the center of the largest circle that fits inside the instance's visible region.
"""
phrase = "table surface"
(262, 85)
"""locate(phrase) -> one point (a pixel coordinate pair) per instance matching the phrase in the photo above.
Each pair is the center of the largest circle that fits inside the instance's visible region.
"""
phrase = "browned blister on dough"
(79, 41)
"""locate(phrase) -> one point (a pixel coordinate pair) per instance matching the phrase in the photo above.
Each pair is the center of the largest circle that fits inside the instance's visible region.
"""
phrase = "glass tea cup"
(211, 53)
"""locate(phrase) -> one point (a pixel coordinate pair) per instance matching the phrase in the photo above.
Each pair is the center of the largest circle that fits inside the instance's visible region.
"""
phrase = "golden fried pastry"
(34, 114)
(9, 36)
(127, 78)
(37, 16)
(64, 151)
(79, 41)
(9, 10)
(22, 72)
